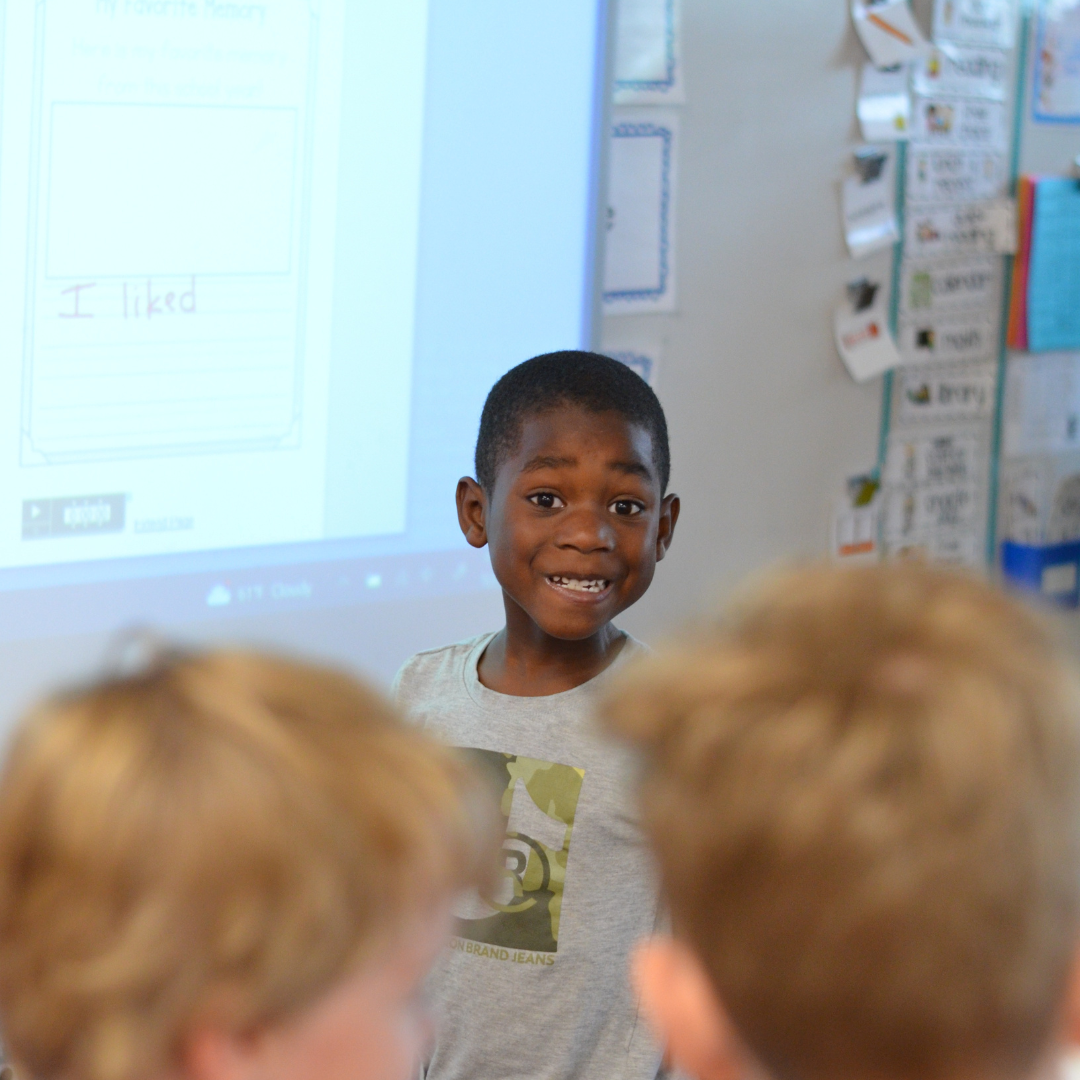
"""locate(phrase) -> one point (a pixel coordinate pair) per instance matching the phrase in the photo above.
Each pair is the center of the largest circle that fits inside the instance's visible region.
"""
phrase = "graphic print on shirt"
(538, 799)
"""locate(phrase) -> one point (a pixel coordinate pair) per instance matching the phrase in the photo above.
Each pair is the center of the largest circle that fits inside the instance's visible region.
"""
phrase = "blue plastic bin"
(1051, 570)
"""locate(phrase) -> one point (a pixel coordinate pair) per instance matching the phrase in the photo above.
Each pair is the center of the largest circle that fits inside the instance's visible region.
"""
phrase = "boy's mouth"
(587, 586)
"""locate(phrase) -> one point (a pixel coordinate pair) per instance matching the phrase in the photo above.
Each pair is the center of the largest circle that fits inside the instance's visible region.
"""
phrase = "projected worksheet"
(170, 227)
(170, 167)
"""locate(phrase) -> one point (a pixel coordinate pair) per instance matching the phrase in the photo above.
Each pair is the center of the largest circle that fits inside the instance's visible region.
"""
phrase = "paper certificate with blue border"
(648, 64)
(639, 262)
(1056, 98)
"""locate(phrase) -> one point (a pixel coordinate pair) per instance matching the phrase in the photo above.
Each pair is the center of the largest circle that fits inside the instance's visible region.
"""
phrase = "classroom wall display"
(954, 194)
(641, 244)
(980, 447)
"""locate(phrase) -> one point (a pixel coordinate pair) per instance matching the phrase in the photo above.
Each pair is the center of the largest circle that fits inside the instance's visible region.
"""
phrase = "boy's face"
(372, 1025)
(576, 522)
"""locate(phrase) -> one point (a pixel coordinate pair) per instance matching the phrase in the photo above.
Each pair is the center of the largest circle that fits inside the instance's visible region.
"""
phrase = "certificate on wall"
(1056, 97)
(639, 262)
(648, 62)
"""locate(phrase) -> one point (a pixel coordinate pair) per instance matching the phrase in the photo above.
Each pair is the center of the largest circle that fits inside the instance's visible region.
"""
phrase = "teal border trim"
(993, 488)
(894, 309)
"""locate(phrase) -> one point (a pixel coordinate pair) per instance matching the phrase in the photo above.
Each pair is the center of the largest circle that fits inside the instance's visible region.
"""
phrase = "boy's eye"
(546, 500)
(626, 507)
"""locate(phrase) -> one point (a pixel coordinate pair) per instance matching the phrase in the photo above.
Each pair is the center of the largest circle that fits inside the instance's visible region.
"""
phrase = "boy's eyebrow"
(542, 461)
(632, 468)
(546, 461)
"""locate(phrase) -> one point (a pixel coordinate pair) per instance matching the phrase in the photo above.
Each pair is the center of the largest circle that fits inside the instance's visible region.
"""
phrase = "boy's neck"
(524, 661)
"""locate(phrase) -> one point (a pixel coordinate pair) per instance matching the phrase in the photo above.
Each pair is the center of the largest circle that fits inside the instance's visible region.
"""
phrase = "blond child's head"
(863, 789)
(225, 867)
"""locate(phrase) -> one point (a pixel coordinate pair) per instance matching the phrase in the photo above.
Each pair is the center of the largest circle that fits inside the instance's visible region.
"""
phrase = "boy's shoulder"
(427, 670)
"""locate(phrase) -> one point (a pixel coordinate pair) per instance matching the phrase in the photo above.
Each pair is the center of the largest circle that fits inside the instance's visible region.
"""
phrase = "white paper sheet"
(884, 105)
(1064, 519)
(869, 206)
(1024, 501)
(888, 31)
(640, 255)
(946, 392)
(975, 22)
(960, 123)
(954, 176)
(855, 532)
(1057, 62)
(648, 47)
(959, 72)
(863, 339)
(1042, 404)
(961, 229)
(1041, 505)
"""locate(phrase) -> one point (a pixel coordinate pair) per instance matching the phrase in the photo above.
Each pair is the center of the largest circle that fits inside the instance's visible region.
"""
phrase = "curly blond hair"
(223, 835)
(863, 789)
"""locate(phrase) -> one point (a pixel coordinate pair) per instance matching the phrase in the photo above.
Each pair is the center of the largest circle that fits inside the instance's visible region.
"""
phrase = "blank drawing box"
(158, 190)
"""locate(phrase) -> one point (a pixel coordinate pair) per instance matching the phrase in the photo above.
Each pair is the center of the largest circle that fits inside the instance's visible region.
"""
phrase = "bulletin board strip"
(993, 487)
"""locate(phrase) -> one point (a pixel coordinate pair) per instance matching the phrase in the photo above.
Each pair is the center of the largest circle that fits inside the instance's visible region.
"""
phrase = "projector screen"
(260, 262)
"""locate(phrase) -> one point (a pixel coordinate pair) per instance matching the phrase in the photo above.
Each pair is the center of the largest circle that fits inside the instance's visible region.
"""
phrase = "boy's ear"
(214, 1052)
(678, 998)
(1071, 1007)
(472, 511)
(669, 515)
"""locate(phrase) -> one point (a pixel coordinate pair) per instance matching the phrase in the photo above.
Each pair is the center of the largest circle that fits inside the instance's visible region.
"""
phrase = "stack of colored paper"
(1044, 309)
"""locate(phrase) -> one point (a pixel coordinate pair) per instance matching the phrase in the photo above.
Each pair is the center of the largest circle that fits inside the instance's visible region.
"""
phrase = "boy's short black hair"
(586, 379)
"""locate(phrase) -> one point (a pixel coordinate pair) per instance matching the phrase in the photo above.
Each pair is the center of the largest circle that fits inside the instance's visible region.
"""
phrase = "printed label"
(933, 460)
(968, 228)
(965, 392)
(947, 337)
(959, 123)
(538, 799)
(931, 287)
(975, 22)
(973, 73)
(951, 176)
(915, 511)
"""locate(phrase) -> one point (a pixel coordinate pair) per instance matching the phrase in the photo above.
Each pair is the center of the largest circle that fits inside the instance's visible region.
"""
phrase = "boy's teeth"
(581, 584)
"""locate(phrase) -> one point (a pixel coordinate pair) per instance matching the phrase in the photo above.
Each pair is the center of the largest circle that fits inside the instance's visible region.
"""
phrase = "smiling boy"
(572, 465)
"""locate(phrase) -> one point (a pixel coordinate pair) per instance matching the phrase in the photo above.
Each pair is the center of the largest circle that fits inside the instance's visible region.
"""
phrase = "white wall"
(766, 423)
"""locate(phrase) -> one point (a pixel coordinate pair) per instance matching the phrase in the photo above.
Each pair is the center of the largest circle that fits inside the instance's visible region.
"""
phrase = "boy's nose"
(586, 530)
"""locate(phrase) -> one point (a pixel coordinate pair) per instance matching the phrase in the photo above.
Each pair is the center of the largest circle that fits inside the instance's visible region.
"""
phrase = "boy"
(864, 794)
(225, 867)
(572, 464)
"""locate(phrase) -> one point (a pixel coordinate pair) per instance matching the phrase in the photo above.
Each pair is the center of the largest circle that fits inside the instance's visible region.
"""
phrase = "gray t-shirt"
(537, 986)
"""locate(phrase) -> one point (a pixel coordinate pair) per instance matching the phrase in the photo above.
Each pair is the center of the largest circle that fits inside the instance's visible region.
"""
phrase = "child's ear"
(472, 511)
(669, 515)
(1071, 1007)
(214, 1052)
(685, 1013)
